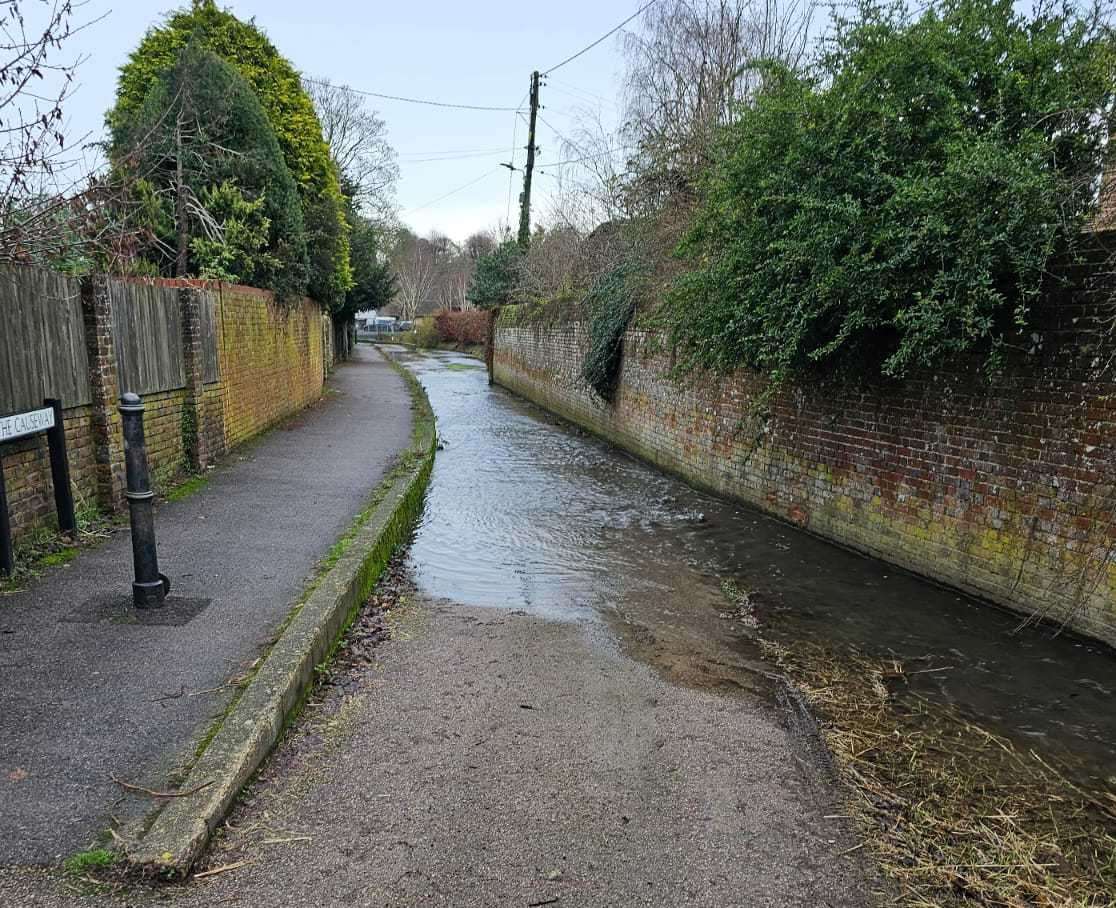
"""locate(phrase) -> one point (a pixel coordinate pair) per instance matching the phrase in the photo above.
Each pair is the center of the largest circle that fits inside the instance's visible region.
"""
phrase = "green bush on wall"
(611, 304)
(901, 205)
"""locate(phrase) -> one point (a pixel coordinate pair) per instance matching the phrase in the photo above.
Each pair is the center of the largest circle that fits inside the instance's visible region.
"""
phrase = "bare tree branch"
(357, 139)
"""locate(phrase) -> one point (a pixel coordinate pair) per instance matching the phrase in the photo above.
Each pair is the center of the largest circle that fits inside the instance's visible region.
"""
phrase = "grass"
(462, 367)
(85, 862)
(62, 556)
(954, 814)
(40, 550)
(187, 487)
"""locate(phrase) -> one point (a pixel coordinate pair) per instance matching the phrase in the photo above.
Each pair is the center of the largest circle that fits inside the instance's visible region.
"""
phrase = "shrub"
(462, 327)
(902, 206)
(426, 333)
(497, 276)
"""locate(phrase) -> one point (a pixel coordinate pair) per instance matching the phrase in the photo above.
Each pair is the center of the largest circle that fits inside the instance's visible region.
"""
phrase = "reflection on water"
(528, 513)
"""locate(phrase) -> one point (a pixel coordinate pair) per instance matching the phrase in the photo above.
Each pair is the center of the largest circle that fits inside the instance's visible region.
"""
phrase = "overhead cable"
(426, 101)
(607, 34)
(453, 191)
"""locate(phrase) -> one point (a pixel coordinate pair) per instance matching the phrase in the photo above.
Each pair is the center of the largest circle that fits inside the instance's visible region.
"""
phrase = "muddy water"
(528, 513)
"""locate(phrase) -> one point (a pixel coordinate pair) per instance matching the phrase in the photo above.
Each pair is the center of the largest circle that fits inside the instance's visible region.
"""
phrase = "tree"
(54, 210)
(288, 109)
(497, 276)
(221, 202)
(904, 205)
(374, 284)
(414, 264)
(480, 243)
(692, 68)
(552, 263)
(357, 139)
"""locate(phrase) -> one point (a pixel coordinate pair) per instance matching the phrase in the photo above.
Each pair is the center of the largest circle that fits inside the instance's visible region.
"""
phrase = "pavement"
(93, 694)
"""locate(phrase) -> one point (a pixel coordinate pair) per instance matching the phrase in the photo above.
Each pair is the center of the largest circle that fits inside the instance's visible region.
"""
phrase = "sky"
(480, 53)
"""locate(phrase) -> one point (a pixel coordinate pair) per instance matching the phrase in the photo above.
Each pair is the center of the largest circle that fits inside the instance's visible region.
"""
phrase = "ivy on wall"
(611, 304)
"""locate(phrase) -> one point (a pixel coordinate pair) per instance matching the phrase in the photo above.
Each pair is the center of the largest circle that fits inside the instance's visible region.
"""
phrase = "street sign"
(21, 424)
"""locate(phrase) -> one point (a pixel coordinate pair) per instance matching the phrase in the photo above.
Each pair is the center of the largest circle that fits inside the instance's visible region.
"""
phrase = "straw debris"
(953, 813)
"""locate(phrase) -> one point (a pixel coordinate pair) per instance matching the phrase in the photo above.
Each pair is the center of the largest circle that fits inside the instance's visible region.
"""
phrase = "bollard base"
(149, 595)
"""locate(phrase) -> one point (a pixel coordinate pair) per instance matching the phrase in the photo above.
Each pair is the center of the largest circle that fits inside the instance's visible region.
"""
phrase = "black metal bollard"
(150, 587)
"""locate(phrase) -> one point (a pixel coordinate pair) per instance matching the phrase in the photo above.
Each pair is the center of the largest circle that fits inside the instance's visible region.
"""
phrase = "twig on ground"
(162, 794)
(224, 868)
(182, 692)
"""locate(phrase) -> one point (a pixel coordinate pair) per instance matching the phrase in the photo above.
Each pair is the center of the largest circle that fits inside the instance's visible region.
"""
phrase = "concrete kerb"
(180, 832)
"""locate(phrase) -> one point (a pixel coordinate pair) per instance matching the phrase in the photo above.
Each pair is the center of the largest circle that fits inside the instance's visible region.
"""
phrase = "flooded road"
(528, 513)
(568, 691)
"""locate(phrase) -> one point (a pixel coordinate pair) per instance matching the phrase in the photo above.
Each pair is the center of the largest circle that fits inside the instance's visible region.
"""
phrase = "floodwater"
(526, 512)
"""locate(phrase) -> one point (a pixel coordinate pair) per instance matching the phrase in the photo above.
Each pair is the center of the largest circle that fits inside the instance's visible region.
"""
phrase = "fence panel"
(147, 334)
(211, 370)
(42, 341)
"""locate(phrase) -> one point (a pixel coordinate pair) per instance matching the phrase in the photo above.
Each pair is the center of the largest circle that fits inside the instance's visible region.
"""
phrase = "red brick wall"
(162, 430)
(271, 360)
(1005, 488)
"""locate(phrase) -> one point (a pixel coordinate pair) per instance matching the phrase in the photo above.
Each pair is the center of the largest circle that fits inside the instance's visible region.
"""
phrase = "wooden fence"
(42, 341)
(43, 350)
(147, 335)
(207, 311)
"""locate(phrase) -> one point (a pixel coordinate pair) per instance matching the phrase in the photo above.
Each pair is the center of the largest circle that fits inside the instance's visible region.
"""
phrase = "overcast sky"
(479, 53)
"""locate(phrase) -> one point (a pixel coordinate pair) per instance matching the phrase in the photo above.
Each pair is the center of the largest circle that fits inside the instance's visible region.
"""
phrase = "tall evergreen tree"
(220, 201)
(289, 110)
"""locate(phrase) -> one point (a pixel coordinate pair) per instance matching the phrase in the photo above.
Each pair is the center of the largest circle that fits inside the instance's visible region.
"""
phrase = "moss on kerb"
(308, 638)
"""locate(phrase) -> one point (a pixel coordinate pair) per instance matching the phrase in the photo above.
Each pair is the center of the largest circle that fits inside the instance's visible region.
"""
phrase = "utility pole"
(525, 197)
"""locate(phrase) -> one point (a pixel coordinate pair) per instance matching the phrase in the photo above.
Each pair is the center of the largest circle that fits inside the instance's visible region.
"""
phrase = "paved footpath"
(88, 693)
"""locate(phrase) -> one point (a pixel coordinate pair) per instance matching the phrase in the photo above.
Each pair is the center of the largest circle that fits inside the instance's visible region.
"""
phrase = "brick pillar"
(195, 439)
(108, 440)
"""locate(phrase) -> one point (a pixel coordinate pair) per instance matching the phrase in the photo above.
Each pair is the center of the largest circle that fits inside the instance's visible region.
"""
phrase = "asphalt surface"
(86, 694)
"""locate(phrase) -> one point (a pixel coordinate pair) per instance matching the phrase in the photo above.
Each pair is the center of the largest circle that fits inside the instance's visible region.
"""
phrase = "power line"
(453, 191)
(426, 101)
(582, 99)
(607, 34)
(511, 167)
(584, 91)
(569, 142)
